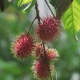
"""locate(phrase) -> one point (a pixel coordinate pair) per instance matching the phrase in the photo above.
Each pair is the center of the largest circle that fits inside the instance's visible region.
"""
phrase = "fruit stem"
(37, 12)
(31, 24)
(46, 59)
(49, 8)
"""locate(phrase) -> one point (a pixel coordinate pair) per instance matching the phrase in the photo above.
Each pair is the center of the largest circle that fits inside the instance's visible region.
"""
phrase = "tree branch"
(31, 24)
(49, 8)
(46, 59)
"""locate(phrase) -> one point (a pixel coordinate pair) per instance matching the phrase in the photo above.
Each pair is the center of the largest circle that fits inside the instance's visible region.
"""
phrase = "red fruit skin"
(52, 54)
(41, 69)
(38, 50)
(49, 29)
(23, 46)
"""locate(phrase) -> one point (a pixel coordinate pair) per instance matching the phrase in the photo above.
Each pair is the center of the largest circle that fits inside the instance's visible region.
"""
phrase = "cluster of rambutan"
(42, 66)
(24, 45)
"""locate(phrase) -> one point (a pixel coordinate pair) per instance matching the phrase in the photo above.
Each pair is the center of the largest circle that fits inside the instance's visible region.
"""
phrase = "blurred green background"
(13, 23)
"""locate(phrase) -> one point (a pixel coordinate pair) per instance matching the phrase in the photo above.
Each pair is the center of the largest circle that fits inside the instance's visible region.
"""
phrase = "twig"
(49, 8)
(46, 59)
(32, 24)
(37, 12)
(56, 74)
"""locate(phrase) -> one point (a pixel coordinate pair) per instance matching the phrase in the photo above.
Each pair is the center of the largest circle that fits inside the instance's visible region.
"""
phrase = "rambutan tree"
(63, 14)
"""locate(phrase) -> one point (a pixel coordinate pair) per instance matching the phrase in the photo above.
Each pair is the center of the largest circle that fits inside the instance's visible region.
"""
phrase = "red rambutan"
(42, 70)
(52, 54)
(23, 46)
(49, 29)
(39, 51)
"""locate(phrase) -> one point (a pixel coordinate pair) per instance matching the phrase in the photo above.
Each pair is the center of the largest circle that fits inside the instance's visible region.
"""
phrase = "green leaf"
(71, 18)
(58, 4)
(78, 1)
(25, 5)
(21, 2)
(28, 8)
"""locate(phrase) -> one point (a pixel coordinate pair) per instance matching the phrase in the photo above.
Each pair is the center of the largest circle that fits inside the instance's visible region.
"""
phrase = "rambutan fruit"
(42, 70)
(48, 29)
(23, 46)
(52, 54)
(39, 51)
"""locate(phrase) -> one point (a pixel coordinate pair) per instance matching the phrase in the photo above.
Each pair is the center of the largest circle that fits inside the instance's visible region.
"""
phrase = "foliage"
(71, 18)
(21, 2)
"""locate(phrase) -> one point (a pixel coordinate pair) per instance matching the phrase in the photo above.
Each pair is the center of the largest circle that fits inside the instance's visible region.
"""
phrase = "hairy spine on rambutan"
(42, 70)
(38, 51)
(23, 46)
(48, 29)
(52, 54)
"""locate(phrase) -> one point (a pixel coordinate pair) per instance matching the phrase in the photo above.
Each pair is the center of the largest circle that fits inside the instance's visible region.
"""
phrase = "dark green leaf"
(71, 18)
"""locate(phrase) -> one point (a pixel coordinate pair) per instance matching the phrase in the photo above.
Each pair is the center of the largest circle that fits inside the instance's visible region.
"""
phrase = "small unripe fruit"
(52, 54)
(39, 51)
